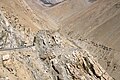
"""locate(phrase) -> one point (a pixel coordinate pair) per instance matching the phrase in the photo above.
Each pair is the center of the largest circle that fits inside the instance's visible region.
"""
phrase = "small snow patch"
(51, 2)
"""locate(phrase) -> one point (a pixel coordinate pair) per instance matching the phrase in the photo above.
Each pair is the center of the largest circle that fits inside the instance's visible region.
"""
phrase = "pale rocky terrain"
(59, 39)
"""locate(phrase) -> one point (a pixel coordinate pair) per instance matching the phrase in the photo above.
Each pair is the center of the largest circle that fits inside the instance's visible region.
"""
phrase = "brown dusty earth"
(67, 40)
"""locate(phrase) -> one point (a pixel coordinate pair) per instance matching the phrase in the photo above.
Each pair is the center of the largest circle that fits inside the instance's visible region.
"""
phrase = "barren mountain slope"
(59, 39)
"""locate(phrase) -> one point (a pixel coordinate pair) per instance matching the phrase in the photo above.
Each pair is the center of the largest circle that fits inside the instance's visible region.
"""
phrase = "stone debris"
(6, 57)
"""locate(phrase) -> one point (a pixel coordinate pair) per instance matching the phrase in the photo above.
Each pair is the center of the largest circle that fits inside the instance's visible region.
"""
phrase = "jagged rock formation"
(52, 58)
(32, 48)
(65, 61)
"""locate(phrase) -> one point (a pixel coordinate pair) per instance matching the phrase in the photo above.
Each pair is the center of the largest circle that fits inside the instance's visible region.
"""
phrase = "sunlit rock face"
(65, 61)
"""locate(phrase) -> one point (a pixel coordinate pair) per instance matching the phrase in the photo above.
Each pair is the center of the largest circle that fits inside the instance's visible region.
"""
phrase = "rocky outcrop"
(13, 37)
(65, 61)
(52, 58)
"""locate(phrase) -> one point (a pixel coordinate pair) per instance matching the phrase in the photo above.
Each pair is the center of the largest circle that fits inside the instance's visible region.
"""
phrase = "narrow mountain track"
(22, 47)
